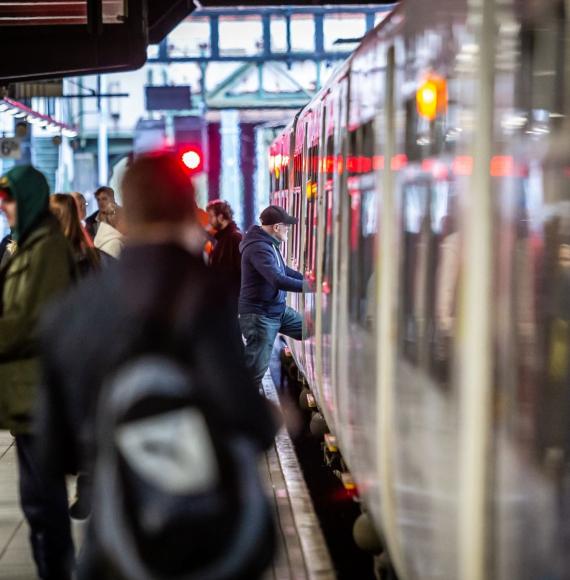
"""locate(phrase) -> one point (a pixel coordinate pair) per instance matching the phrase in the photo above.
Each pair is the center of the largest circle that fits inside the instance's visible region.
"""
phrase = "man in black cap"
(265, 280)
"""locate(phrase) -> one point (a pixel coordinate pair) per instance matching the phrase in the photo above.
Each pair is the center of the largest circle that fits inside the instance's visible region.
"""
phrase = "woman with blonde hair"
(64, 208)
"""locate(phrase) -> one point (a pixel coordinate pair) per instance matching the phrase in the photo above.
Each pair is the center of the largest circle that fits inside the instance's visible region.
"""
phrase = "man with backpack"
(146, 390)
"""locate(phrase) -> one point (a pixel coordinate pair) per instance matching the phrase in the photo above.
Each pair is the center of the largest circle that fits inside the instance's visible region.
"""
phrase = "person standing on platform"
(163, 311)
(64, 207)
(265, 281)
(109, 239)
(81, 203)
(225, 256)
(41, 268)
(104, 196)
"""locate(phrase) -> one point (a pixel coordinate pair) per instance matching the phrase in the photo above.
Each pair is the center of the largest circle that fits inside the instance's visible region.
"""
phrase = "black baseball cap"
(275, 214)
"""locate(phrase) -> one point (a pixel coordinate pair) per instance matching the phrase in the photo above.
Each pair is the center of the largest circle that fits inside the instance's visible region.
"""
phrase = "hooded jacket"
(265, 279)
(109, 240)
(41, 268)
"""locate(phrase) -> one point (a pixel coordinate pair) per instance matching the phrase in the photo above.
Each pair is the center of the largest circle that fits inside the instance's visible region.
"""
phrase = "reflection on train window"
(363, 225)
(296, 208)
(429, 275)
(327, 284)
(424, 137)
(311, 217)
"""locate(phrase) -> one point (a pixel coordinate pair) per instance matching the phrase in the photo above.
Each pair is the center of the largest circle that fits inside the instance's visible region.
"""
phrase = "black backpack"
(175, 494)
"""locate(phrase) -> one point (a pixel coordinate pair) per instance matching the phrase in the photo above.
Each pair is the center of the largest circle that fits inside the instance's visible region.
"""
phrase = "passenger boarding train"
(431, 178)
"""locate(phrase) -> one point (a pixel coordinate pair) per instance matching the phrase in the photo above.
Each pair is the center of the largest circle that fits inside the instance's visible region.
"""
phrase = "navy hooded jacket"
(265, 278)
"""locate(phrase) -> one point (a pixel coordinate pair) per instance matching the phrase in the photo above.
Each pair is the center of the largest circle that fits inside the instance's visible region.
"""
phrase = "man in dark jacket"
(104, 196)
(264, 285)
(40, 268)
(160, 273)
(225, 256)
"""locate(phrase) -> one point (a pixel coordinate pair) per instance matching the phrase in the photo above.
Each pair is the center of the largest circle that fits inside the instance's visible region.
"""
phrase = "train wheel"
(365, 535)
(318, 425)
(304, 400)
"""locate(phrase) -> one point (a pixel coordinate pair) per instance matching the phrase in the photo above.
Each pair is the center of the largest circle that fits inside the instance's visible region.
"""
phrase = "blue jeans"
(260, 332)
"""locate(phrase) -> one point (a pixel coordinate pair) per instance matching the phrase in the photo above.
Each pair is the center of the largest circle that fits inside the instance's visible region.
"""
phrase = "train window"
(429, 275)
(329, 228)
(542, 58)
(297, 192)
(311, 217)
(424, 137)
(363, 223)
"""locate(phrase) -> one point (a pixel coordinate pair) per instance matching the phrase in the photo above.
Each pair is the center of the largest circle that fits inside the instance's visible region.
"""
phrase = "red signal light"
(192, 159)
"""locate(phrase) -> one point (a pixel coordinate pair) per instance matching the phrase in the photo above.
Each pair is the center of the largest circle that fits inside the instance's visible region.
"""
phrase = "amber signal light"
(431, 97)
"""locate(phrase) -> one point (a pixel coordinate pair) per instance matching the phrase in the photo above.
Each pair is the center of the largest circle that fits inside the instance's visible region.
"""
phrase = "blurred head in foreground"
(159, 204)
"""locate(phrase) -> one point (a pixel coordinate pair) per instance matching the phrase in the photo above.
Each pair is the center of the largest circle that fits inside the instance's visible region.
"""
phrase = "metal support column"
(214, 37)
(103, 143)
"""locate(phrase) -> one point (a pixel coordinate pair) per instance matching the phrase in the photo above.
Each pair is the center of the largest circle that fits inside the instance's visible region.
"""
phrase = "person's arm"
(50, 274)
(293, 273)
(263, 261)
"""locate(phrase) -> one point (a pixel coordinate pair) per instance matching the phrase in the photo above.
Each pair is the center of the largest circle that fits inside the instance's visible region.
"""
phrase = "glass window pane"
(302, 33)
(342, 26)
(152, 51)
(241, 36)
(190, 38)
(278, 34)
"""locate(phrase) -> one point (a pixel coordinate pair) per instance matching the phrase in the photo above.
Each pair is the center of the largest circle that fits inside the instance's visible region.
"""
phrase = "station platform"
(302, 552)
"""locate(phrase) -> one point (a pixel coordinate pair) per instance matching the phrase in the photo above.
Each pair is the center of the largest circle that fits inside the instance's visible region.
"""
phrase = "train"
(431, 180)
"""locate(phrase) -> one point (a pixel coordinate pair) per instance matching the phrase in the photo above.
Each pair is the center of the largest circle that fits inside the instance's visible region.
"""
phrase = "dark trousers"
(260, 332)
(44, 503)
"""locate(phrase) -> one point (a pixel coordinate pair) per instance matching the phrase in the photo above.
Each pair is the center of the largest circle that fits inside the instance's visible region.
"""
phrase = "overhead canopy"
(55, 38)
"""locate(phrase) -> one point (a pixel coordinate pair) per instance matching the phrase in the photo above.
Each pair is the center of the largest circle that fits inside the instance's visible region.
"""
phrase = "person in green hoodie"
(40, 268)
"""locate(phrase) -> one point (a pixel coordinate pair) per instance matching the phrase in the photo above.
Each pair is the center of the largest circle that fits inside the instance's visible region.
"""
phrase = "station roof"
(53, 38)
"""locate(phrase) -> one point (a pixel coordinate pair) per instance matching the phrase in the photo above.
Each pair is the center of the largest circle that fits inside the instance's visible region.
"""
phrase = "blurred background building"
(216, 88)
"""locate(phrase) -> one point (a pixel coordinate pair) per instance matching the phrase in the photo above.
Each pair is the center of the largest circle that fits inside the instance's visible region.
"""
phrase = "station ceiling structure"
(276, 62)
(54, 38)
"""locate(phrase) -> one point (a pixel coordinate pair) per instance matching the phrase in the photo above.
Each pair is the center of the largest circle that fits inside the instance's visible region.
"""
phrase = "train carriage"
(430, 178)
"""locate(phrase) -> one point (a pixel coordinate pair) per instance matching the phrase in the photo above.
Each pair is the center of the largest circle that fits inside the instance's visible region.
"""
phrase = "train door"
(310, 245)
(296, 234)
(326, 280)
(322, 208)
(340, 314)
(364, 191)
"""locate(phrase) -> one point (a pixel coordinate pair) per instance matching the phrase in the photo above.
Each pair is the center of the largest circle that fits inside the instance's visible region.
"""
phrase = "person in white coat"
(109, 238)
